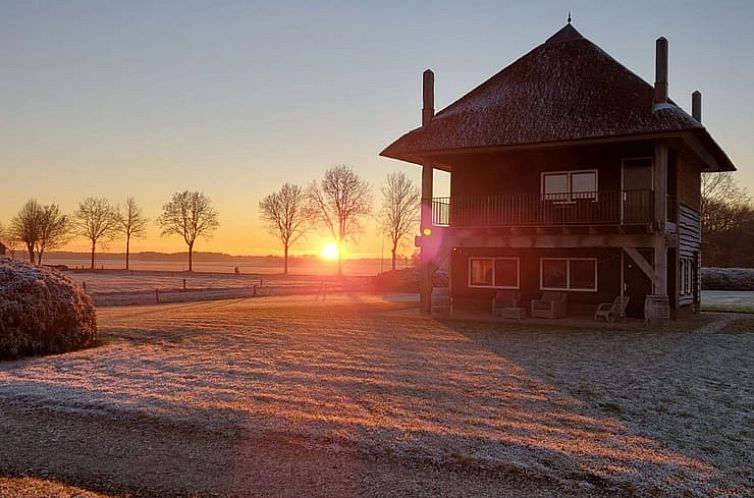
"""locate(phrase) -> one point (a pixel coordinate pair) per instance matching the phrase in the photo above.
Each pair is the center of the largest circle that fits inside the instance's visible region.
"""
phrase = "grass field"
(359, 396)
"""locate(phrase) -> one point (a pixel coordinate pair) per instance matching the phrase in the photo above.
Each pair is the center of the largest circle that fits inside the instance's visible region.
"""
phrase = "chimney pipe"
(428, 88)
(661, 71)
(696, 105)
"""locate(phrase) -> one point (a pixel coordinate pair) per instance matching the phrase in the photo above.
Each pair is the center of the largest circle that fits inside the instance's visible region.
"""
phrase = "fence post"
(184, 284)
(157, 296)
(254, 291)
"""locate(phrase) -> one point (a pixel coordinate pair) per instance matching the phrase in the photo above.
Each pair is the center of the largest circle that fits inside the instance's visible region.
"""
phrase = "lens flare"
(329, 251)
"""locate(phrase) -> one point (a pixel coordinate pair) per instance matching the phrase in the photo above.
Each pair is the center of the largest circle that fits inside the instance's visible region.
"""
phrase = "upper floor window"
(569, 186)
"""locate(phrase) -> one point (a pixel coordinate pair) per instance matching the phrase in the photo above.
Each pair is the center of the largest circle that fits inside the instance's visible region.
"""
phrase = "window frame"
(569, 198)
(687, 276)
(493, 259)
(568, 274)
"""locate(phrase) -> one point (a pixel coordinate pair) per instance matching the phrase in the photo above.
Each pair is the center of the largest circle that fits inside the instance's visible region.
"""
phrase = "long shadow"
(678, 393)
(338, 400)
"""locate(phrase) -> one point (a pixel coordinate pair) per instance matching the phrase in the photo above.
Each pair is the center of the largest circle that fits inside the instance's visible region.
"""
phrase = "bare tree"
(284, 212)
(400, 209)
(190, 215)
(96, 219)
(339, 203)
(54, 228)
(25, 226)
(131, 223)
(722, 201)
(6, 240)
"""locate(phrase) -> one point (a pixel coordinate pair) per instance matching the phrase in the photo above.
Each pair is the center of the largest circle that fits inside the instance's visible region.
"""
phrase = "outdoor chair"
(612, 311)
(505, 299)
(550, 305)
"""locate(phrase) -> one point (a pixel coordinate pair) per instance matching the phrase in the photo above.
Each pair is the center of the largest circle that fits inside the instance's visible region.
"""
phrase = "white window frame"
(569, 195)
(568, 274)
(687, 276)
(493, 259)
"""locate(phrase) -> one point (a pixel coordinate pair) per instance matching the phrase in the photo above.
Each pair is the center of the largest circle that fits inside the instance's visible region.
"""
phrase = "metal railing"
(628, 207)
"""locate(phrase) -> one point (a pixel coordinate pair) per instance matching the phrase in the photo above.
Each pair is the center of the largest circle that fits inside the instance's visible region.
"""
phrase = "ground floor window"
(501, 273)
(576, 274)
(687, 276)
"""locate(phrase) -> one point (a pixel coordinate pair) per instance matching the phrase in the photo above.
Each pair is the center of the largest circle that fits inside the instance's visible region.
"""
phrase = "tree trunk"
(393, 251)
(340, 258)
(30, 247)
(94, 245)
(285, 260)
(191, 257)
(128, 245)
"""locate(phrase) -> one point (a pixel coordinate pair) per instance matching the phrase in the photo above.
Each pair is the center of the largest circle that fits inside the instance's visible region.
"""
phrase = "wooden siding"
(689, 184)
(514, 173)
(689, 241)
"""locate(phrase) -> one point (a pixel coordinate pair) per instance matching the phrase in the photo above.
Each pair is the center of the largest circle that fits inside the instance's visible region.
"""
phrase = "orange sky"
(119, 99)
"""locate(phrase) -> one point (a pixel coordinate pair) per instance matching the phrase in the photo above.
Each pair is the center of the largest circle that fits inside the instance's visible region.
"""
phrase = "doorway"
(637, 183)
(636, 284)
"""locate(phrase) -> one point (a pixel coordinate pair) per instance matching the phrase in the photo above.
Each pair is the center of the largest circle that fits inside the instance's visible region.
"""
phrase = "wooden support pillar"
(425, 273)
(660, 286)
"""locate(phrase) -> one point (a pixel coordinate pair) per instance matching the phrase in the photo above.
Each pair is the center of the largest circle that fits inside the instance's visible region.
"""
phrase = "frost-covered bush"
(728, 279)
(41, 311)
(406, 280)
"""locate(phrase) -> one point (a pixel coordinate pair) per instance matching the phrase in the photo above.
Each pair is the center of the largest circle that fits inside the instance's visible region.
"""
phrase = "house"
(568, 172)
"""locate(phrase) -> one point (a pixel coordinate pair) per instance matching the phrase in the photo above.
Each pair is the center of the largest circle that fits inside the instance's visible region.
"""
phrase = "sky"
(234, 98)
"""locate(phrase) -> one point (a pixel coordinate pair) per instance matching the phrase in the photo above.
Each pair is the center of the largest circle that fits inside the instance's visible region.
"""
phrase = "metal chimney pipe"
(428, 90)
(661, 71)
(696, 105)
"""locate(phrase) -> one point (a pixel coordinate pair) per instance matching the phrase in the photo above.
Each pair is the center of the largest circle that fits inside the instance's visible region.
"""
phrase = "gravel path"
(361, 397)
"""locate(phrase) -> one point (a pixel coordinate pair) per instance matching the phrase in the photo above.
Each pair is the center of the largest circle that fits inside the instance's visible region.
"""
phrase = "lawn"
(359, 396)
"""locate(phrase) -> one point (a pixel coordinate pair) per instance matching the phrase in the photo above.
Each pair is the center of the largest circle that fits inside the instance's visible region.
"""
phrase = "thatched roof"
(566, 89)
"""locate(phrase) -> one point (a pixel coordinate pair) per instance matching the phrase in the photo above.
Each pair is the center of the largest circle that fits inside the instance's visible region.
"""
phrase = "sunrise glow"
(330, 251)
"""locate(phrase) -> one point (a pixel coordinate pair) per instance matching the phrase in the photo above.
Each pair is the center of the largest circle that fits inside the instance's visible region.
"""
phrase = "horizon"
(142, 100)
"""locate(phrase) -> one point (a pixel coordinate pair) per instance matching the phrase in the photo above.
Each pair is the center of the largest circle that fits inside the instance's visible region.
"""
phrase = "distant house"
(569, 173)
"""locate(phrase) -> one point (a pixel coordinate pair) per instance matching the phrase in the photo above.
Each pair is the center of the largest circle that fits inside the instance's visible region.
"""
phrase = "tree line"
(727, 222)
(44, 227)
(339, 204)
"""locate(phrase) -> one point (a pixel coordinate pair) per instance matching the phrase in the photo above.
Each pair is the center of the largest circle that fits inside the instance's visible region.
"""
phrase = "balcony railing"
(628, 207)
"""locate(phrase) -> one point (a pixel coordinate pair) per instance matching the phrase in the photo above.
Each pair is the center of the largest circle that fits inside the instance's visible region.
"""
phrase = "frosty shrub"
(739, 279)
(41, 311)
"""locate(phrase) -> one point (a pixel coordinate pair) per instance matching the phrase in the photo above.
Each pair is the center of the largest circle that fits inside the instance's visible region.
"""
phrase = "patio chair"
(505, 299)
(612, 311)
(550, 305)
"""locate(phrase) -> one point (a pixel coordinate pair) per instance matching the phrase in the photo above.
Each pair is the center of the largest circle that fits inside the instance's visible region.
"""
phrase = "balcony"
(628, 207)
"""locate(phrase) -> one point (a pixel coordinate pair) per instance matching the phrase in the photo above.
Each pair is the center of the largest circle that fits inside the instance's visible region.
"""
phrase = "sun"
(329, 251)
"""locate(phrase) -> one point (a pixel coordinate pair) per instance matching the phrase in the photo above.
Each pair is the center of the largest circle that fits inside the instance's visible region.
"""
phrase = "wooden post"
(184, 284)
(157, 296)
(660, 286)
(425, 271)
(254, 291)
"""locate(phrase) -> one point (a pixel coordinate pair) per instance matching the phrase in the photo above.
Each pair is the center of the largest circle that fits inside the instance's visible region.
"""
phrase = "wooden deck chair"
(612, 311)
